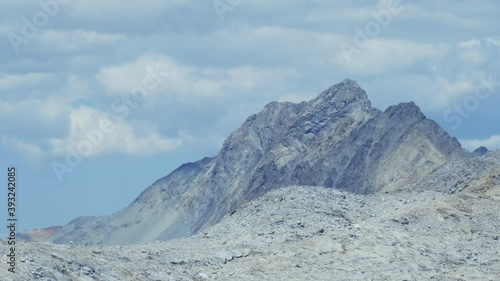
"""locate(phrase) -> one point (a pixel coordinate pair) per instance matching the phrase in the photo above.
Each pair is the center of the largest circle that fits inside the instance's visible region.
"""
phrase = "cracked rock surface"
(302, 233)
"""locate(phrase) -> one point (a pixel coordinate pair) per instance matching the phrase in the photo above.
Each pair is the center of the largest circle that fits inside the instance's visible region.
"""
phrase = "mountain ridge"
(336, 140)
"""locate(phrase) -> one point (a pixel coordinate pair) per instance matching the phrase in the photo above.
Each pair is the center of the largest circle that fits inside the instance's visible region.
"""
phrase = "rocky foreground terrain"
(310, 233)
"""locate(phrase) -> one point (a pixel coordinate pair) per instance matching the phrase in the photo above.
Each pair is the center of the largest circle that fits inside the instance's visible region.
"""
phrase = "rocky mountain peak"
(345, 92)
(405, 110)
(336, 140)
(480, 151)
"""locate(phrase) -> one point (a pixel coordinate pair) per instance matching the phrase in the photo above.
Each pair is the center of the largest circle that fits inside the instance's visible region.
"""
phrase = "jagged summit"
(409, 109)
(480, 151)
(345, 92)
(346, 84)
(336, 140)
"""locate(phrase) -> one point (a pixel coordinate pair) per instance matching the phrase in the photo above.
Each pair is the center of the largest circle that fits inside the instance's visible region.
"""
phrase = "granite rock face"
(337, 140)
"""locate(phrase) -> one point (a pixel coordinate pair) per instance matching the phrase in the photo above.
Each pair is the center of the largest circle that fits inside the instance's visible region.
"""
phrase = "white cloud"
(431, 93)
(74, 40)
(494, 41)
(8, 82)
(28, 150)
(492, 143)
(246, 61)
(131, 138)
(86, 133)
(185, 81)
(48, 101)
(48, 108)
(444, 16)
(247, 79)
(380, 56)
(125, 77)
(472, 56)
(332, 10)
(36, 116)
(457, 88)
(471, 51)
(468, 44)
(116, 9)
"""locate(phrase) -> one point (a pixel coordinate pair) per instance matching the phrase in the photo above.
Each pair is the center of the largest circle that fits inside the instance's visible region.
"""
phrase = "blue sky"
(99, 99)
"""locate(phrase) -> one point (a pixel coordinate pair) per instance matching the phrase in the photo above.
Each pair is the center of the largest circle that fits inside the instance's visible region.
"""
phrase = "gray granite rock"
(302, 233)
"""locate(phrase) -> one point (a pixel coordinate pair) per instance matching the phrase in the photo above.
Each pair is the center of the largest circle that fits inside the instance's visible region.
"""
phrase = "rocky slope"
(479, 176)
(304, 233)
(335, 140)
